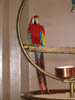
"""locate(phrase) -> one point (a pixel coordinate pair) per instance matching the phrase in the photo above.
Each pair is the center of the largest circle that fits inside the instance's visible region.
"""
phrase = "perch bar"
(60, 50)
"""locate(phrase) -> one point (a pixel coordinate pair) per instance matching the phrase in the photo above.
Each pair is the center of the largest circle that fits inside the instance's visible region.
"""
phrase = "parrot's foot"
(41, 88)
(47, 90)
(42, 91)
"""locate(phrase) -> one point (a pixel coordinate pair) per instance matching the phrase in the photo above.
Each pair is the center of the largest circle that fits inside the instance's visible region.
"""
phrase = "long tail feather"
(41, 76)
(44, 77)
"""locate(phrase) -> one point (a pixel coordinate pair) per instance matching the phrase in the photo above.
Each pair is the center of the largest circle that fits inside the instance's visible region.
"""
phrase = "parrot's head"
(35, 20)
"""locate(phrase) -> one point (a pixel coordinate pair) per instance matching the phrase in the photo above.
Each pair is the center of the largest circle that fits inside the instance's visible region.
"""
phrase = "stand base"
(55, 95)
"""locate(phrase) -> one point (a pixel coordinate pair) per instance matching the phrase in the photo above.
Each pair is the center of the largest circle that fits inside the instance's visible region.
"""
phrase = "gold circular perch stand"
(54, 95)
(25, 48)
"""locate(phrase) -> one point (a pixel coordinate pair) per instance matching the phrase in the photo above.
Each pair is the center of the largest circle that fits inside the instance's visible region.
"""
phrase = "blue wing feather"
(42, 35)
(41, 38)
(29, 37)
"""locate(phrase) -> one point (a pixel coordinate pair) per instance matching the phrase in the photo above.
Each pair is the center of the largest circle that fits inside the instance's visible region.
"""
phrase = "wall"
(59, 23)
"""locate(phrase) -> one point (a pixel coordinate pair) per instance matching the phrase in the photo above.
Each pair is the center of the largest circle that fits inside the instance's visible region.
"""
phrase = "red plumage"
(35, 33)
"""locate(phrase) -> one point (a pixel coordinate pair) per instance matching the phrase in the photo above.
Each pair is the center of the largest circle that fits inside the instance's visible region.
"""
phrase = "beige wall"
(16, 74)
(59, 23)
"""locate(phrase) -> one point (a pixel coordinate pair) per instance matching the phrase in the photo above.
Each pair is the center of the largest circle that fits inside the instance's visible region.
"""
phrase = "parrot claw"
(47, 90)
(42, 91)
(41, 88)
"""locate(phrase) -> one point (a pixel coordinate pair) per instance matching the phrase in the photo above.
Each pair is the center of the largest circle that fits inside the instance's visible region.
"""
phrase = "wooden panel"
(13, 77)
(1, 8)
(5, 54)
(15, 57)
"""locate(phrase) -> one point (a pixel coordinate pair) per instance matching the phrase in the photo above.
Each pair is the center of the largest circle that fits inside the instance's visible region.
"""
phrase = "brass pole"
(71, 89)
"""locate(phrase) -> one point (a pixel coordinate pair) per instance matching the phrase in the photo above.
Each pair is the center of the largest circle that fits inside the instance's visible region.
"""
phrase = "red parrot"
(36, 36)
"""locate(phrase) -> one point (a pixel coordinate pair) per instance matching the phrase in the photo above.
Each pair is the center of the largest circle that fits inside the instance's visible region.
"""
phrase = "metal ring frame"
(24, 49)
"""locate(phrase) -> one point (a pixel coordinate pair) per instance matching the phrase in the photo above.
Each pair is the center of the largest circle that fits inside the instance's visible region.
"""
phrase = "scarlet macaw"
(36, 36)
